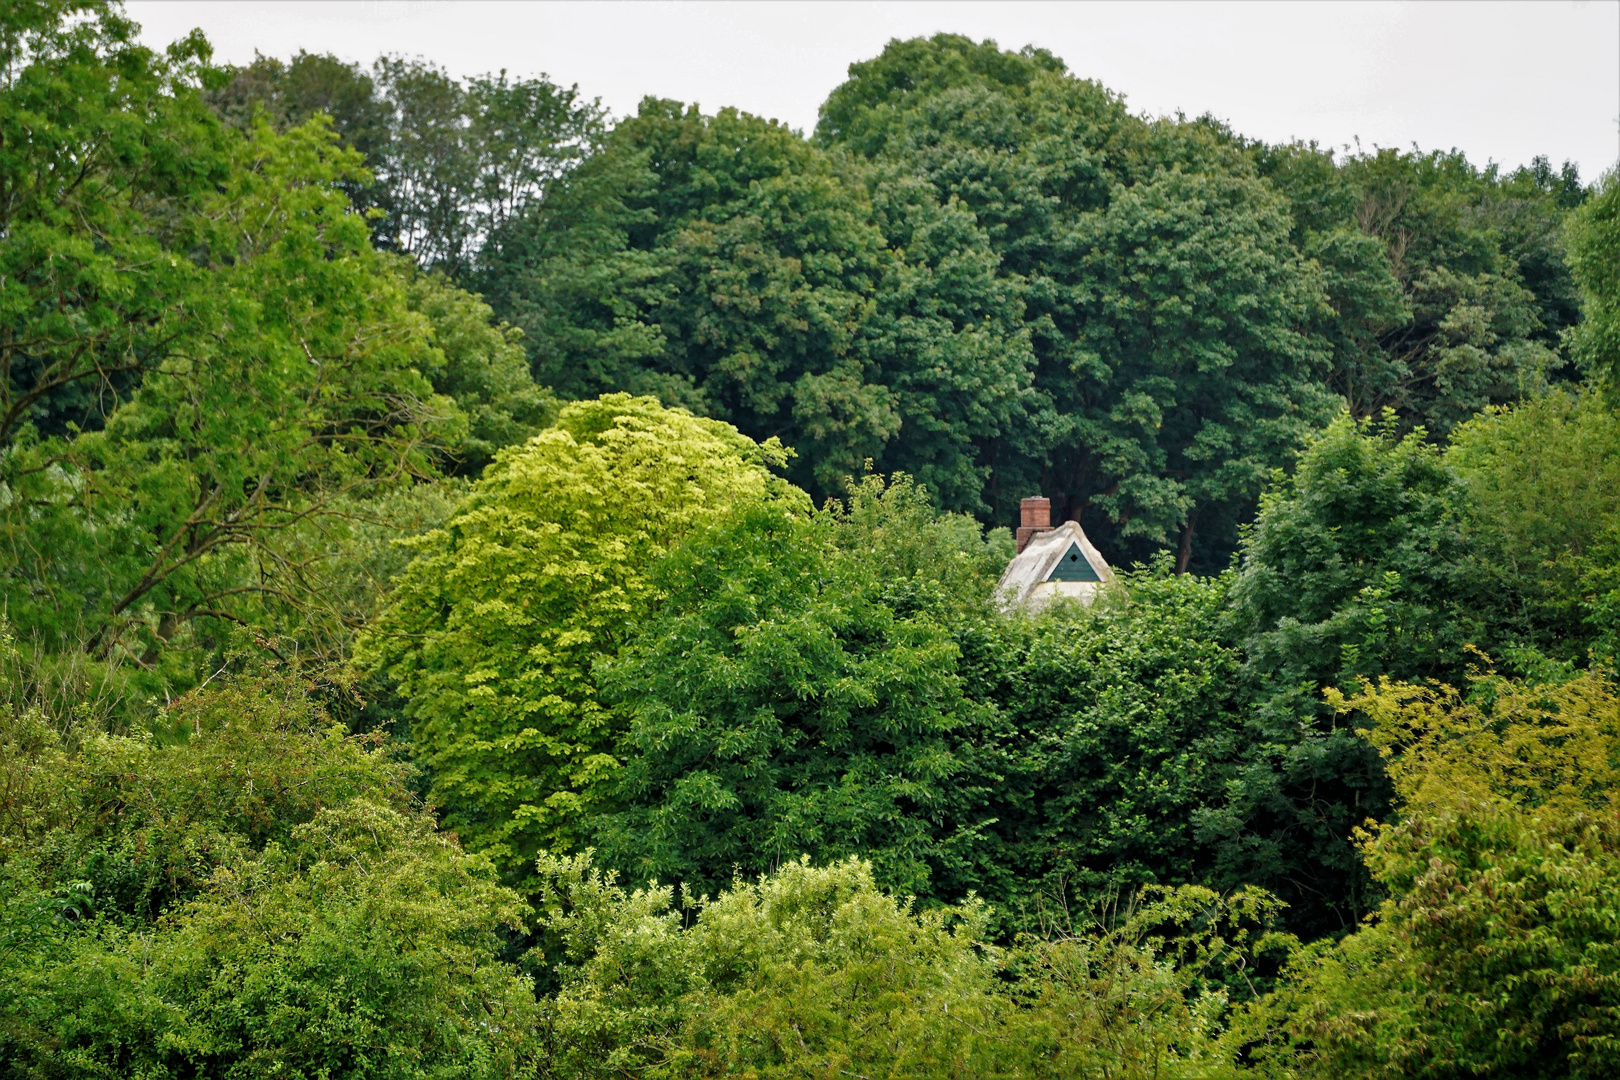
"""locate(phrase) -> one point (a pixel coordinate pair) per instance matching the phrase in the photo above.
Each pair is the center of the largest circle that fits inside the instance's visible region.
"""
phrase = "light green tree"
(493, 630)
(1494, 953)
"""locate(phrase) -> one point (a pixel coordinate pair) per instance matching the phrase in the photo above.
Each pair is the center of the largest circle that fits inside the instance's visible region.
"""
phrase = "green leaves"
(1495, 953)
(1167, 311)
(297, 385)
(723, 264)
(814, 970)
(780, 703)
(494, 628)
(1594, 240)
(107, 155)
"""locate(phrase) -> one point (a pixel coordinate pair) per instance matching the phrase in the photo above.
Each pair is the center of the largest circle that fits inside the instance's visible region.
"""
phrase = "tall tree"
(1594, 237)
(1166, 306)
(107, 156)
(1448, 284)
(493, 630)
(727, 266)
(451, 160)
(293, 381)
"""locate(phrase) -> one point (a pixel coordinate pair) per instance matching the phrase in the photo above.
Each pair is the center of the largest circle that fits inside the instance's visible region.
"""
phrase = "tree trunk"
(1184, 555)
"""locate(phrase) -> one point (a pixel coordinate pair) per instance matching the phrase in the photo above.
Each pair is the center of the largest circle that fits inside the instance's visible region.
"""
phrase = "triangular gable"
(1045, 569)
(1073, 566)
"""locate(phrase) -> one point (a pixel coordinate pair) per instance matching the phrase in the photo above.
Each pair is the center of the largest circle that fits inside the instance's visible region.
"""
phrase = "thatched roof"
(1059, 562)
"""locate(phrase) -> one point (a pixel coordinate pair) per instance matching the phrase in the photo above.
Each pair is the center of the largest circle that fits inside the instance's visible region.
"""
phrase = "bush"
(814, 971)
(252, 894)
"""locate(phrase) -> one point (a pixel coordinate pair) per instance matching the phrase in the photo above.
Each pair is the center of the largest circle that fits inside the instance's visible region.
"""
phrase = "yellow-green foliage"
(493, 629)
(815, 971)
(1551, 750)
(1496, 952)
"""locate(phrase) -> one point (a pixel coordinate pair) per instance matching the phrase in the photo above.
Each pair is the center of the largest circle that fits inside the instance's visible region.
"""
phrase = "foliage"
(247, 889)
(107, 159)
(1165, 304)
(1115, 748)
(492, 630)
(145, 822)
(1494, 955)
(292, 539)
(450, 161)
(1449, 285)
(815, 971)
(1362, 563)
(793, 693)
(478, 364)
(724, 265)
(1594, 242)
(362, 949)
(208, 368)
(1544, 478)
(290, 94)
(301, 384)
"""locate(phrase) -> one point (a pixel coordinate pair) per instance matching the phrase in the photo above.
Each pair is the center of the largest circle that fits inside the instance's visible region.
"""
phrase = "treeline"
(600, 673)
(980, 271)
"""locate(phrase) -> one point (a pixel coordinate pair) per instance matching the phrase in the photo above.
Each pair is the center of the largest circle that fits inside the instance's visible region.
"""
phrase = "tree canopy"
(606, 674)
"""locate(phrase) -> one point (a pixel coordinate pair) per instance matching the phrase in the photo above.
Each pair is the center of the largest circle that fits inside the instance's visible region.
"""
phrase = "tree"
(1165, 304)
(727, 267)
(492, 631)
(816, 969)
(109, 157)
(1365, 562)
(297, 384)
(791, 696)
(1594, 240)
(450, 160)
(291, 93)
(258, 892)
(480, 365)
(1120, 729)
(1491, 956)
(1543, 479)
(1449, 285)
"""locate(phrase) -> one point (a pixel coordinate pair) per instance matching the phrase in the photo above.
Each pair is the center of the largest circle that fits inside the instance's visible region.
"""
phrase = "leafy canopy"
(796, 692)
(492, 631)
(1493, 955)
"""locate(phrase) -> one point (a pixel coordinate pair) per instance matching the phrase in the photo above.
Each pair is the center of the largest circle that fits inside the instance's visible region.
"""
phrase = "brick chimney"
(1034, 516)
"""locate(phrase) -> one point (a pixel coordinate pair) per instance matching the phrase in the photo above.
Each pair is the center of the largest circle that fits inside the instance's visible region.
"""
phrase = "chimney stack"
(1034, 516)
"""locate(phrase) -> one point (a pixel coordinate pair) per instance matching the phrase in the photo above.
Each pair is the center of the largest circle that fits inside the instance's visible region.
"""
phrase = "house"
(1051, 562)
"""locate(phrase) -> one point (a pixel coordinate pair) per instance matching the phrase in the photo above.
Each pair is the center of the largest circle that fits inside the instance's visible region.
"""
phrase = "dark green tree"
(1367, 562)
(450, 160)
(1167, 308)
(1449, 285)
(1121, 725)
(798, 695)
(723, 264)
(1594, 238)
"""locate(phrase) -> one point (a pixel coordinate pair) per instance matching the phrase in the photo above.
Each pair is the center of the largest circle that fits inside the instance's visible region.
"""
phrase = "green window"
(1073, 567)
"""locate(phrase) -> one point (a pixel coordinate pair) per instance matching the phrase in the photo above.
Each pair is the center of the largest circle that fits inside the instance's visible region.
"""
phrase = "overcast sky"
(1501, 81)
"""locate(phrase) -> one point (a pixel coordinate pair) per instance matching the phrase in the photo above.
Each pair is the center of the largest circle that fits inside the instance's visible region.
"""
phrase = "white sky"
(1502, 81)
